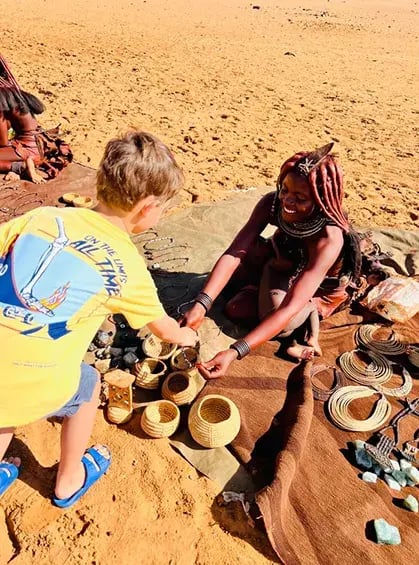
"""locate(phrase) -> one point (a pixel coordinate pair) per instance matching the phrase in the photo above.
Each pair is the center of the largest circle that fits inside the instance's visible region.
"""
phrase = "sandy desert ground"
(234, 87)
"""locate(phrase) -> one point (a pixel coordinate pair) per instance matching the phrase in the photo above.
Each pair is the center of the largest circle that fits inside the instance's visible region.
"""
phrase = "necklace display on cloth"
(377, 372)
(320, 393)
(302, 229)
(338, 407)
(400, 391)
(391, 345)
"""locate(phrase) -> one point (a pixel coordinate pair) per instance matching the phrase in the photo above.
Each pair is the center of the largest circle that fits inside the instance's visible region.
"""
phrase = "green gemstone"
(386, 533)
(411, 503)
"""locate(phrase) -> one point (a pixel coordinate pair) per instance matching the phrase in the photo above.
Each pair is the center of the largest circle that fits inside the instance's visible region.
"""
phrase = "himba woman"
(307, 265)
(17, 111)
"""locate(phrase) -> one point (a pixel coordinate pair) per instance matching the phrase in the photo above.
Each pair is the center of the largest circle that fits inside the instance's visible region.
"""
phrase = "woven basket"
(160, 419)
(214, 421)
(413, 354)
(157, 349)
(179, 387)
(148, 373)
(184, 358)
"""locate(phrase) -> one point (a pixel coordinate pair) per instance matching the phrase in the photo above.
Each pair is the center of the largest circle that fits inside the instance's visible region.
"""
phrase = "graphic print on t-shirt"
(44, 283)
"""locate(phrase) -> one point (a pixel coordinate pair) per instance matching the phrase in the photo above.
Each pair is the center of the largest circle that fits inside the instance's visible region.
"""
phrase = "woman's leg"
(272, 291)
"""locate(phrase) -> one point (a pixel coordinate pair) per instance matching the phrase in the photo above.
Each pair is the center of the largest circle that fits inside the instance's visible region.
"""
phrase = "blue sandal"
(9, 472)
(95, 465)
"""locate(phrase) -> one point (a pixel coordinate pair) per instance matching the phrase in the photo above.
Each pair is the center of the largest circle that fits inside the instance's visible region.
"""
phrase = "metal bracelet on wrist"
(205, 300)
(241, 347)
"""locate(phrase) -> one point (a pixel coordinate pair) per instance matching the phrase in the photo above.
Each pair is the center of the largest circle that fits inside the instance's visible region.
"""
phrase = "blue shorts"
(87, 383)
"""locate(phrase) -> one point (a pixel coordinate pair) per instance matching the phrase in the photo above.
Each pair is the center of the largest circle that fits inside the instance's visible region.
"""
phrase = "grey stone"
(363, 459)
(411, 503)
(386, 533)
(369, 477)
(413, 474)
(392, 483)
(400, 477)
(358, 444)
(405, 464)
(395, 465)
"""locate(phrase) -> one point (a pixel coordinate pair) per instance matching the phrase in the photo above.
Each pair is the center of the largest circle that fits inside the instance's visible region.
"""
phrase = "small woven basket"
(179, 387)
(160, 419)
(149, 372)
(184, 358)
(214, 421)
(157, 349)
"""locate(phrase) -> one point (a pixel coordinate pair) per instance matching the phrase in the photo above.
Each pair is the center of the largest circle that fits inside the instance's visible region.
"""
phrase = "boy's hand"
(187, 337)
(194, 317)
(218, 365)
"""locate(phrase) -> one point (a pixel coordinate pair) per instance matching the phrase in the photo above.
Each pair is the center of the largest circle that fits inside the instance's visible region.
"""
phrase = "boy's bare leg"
(75, 436)
(6, 435)
(32, 173)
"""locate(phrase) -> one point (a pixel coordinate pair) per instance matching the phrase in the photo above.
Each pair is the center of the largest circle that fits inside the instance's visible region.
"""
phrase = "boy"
(62, 271)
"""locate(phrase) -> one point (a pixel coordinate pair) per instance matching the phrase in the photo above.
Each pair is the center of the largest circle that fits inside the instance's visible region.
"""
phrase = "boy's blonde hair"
(134, 166)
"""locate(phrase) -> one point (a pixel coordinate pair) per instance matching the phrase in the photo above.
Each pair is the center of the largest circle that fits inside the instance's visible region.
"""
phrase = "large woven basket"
(214, 421)
(184, 358)
(149, 372)
(157, 349)
(179, 387)
(160, 419)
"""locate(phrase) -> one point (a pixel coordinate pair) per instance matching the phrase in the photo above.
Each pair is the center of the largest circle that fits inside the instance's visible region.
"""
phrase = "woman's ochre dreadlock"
(325, 179)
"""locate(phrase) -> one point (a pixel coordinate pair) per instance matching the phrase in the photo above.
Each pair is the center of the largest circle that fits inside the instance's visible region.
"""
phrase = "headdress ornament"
(307, 163)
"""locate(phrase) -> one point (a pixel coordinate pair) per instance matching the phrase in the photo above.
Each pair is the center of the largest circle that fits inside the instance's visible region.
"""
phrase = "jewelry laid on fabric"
(242, 348)
(158, 239)
(338, 406)
(401, 391)
(151, 254)
(385, 445)
(364, 337)
(411, 451)
(320, 393)
(178, 262)
(379, 371)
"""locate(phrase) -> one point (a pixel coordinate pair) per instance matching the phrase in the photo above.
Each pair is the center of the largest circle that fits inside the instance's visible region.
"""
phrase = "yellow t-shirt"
(62, 270)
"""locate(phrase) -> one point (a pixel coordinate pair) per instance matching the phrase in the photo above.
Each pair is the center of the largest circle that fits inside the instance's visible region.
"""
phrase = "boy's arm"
(169, 330)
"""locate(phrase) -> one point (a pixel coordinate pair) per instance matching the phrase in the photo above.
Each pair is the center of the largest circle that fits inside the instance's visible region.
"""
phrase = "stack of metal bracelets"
(204, 300)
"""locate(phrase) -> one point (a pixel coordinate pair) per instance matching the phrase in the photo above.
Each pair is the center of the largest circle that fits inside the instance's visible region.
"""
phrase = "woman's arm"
(322, 255)
(4, 126)
(227, 264)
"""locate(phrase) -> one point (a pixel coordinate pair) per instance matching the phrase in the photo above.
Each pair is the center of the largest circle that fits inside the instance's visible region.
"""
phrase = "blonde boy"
(62, 271)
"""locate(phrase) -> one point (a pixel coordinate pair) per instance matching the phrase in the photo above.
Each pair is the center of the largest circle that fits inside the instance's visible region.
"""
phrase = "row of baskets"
(213, 421)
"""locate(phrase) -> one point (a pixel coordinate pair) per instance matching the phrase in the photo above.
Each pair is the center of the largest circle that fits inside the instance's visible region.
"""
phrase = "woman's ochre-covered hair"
(325, 178)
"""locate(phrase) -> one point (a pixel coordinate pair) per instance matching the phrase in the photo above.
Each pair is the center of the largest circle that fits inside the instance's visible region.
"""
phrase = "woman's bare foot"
(32, 173)
(314, 343)
(11, 176)
(301, 352)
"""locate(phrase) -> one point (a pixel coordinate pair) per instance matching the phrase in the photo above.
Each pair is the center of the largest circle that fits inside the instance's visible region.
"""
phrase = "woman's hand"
(194, 317)
(218, 365)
